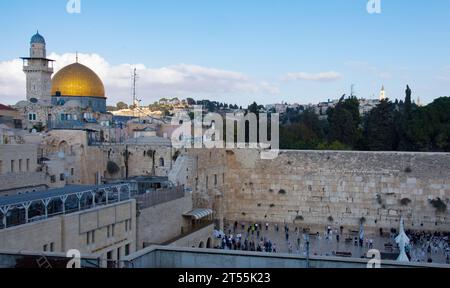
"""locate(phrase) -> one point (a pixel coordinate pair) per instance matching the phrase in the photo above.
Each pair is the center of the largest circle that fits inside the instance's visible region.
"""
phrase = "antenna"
(135, 77)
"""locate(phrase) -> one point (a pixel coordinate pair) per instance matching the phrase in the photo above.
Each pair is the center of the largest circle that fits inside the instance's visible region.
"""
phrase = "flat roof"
(53, 193)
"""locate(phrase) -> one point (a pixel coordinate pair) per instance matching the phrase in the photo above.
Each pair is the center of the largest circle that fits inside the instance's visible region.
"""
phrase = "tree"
(344, 122)
(121, 106)
(404, 123)
(379, 128)
(190, 101)
(306, 133)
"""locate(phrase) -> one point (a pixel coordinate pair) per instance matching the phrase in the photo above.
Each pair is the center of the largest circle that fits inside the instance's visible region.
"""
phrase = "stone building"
(72, 99)
(38, 70)
(19, 170)
(10, 117)
(84, 218)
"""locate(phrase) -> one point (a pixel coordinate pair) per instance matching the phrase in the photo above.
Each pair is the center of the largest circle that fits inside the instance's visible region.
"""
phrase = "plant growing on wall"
(439, 205)
(299, 218)
(379, 199)
(330, 219)
(112, 168)
(405, 201)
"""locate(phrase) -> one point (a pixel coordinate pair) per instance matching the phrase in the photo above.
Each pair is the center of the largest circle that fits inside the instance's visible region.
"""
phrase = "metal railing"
(159, 196)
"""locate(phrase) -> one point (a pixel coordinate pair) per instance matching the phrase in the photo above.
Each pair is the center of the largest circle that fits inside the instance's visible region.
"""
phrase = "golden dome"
(77, 80)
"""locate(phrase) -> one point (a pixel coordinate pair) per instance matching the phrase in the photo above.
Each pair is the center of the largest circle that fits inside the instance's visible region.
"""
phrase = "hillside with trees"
(391, 126)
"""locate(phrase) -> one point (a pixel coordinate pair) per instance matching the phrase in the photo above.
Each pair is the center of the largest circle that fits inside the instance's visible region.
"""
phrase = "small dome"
(37, 39)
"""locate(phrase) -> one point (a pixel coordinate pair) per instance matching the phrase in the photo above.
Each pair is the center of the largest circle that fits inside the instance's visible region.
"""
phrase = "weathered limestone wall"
(208, 179)
(19, 169)
(141, 160)
(160, 223)
(87, 165)
(202, 238)
(313, 186)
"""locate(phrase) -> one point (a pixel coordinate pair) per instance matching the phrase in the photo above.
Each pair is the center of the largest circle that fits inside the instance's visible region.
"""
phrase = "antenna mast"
(134, 91)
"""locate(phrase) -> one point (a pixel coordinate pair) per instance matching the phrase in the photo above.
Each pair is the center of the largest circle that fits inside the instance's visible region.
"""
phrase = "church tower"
(38, 70)
(382, 94)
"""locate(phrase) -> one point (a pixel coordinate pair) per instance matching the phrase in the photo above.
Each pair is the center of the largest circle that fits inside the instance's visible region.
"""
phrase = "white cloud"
(182, 80)
(321, 77)
(12, 82)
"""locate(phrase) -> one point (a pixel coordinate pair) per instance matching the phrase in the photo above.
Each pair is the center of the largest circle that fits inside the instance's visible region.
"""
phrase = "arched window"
(63, 147)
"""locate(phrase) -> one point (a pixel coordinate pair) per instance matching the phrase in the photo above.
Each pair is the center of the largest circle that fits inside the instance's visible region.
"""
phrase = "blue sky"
(324, 45)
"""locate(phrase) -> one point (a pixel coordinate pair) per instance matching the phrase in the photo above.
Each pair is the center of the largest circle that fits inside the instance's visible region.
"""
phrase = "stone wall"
(202, 238)
(87, 165)
(323, 188)
(185, 258)
(160, 223)
(22, 174)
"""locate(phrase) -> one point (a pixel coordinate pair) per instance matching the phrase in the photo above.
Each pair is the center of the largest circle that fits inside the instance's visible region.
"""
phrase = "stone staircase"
(182, 169)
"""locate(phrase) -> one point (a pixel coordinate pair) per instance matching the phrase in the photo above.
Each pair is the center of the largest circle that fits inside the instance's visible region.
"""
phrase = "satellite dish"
(33, 100)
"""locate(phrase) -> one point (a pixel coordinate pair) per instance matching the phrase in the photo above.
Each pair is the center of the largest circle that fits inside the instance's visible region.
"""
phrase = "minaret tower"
(382, 94)
(38, 70)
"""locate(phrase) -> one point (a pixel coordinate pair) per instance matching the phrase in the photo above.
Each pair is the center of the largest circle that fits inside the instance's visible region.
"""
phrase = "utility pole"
(307, 251)
(134, 91)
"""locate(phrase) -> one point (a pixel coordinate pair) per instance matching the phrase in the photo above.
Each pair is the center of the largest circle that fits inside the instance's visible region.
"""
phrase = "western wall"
(324, 187)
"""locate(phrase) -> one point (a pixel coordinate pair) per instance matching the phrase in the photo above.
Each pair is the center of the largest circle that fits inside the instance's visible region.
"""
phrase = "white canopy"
(198, 214)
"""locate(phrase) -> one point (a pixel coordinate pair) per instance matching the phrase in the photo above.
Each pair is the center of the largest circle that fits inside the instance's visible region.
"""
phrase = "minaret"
(382, 94)
(419, 102)
(38, 70)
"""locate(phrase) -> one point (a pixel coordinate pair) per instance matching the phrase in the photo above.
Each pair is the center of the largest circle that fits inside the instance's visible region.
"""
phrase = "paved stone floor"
(321, 246)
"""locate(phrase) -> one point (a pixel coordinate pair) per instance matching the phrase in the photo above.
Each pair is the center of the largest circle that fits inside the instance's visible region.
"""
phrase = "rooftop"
(7, 108)
(53, 193)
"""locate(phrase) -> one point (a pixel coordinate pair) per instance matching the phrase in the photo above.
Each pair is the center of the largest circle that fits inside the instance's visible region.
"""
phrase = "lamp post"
(307, 250)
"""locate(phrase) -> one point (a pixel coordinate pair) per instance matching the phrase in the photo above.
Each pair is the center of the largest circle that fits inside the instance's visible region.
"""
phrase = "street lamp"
(307, 250)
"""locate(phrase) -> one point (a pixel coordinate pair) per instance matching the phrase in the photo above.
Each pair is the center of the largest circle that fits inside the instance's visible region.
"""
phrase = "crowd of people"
(424, 245)
(251, 241)
(257, 237)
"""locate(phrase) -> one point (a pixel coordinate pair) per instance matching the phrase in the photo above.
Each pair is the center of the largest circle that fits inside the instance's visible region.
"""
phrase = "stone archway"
(209, 243)
(201, 245)
(63, 148)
